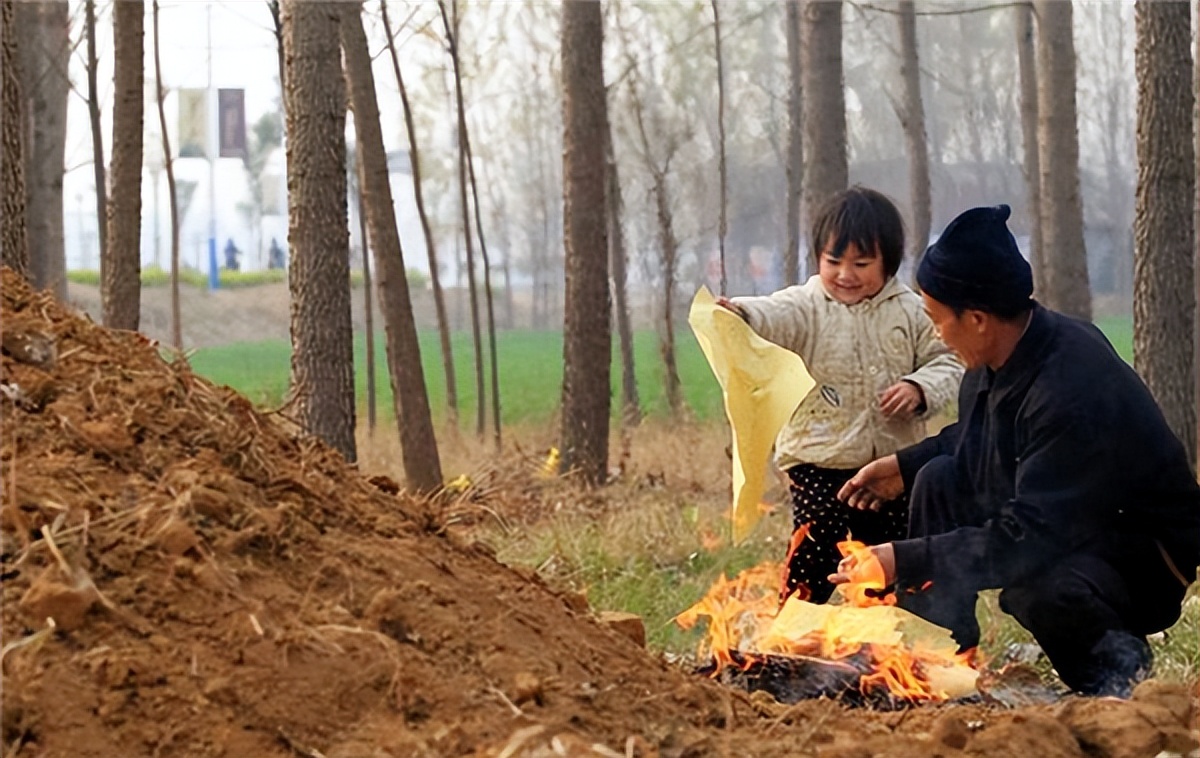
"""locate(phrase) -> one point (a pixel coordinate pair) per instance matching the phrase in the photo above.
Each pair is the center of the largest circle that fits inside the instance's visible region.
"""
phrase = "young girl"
(879, 368)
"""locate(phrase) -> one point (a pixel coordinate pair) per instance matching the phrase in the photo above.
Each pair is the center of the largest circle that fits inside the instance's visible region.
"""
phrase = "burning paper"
(762, 384)
(902, 654)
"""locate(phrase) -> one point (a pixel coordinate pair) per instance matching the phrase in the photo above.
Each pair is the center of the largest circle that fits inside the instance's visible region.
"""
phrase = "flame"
(908, 657)
(802, 591)
(868, 582)
(737, 609)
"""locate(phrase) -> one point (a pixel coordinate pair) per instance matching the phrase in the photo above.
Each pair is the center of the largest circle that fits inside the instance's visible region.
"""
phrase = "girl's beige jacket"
(854, 352)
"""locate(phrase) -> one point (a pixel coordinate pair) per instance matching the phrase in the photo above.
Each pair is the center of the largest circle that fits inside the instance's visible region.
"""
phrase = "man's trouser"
(1089, 612)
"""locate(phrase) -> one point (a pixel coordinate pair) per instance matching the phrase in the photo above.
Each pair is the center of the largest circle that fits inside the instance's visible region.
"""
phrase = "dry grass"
(654, 539)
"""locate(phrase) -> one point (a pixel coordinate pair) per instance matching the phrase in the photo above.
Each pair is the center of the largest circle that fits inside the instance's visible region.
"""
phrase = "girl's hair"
(862, 217)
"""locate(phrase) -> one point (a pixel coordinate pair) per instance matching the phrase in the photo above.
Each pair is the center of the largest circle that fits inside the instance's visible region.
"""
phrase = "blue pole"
(214, 273)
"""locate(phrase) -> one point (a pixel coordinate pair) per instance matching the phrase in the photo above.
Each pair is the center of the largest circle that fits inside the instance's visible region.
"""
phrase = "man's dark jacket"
(1061, 450)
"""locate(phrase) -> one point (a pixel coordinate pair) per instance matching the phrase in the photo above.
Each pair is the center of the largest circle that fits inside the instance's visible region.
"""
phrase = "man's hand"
(857, 569)
(902, 400)
(729, 305)
(875, 483)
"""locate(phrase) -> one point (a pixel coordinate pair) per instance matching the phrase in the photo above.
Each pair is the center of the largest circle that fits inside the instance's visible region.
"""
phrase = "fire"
(802, 592)
(908, 657)
(737, 609)
(869, 586)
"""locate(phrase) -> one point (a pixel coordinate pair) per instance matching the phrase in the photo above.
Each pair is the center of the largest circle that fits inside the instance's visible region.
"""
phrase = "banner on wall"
(193, 123)
(231, 108)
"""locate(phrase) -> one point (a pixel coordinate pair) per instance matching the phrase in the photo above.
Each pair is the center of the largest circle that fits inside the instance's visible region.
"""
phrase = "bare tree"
(277, 24)
(500, 217)
(631, 410)
(912, 119)
(1026, 55)
(422, 467)
(826, 172)
(1196, 231)
(1063, 253)
(587, 334)
(435, 281)
(723, 223)
(120, 282)
(13, 234)
(795, 143)
(98, 165)
(658, 166)
(476, 331)
(356, 180)
(43, 28)
(322, 382)
(488, 295)
(169, 165)
(1164, 234)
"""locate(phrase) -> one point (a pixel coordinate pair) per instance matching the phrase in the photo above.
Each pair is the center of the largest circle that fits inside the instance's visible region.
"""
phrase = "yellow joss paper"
(848, 625)
(762, 384)
(835, 631)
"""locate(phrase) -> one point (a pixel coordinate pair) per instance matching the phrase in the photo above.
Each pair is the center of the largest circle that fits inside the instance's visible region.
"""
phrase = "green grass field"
(1119, 330)
(530, 371)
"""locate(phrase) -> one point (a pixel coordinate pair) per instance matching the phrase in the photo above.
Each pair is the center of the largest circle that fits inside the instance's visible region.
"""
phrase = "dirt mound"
(220, 585)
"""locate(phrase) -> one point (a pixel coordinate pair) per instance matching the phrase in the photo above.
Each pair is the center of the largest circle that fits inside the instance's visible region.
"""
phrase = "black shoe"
(1120, 661)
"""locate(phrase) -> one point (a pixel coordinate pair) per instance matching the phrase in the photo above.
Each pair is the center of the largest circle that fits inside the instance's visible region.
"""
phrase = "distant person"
(880, 371)
(1061, 483)
(231, 256)
(275, 255)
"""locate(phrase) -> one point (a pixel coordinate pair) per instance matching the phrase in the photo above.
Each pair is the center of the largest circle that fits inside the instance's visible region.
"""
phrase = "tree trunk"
(43, 28)
(541, 279)
(1064, 254)
(587, 333)
(500, 214)
(1026, 57)
(1196, 232)
(723, 223)
(169, 165)
(631, 406)
(913, 120)
(476, 331)
(13, 234)
(277, 22)
(670, 247)
(1164, 237)
(968, 68)
(368, 287)
(98, 165)
(418, 445)
(487, 290)
(435, 280)
(667, 243)
(318, 227)
(121, 282)
(795, 145)
(826, 172)
(1117, 199)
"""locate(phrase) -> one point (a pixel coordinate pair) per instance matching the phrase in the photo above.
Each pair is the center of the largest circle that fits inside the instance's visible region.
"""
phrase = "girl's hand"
(902, 400)
(729, 305)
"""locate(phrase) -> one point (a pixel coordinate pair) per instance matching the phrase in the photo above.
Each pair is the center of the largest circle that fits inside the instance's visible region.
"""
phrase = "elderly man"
(1060, 484)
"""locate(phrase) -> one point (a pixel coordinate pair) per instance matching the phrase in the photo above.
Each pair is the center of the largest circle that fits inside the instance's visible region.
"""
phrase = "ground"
(222, 586)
